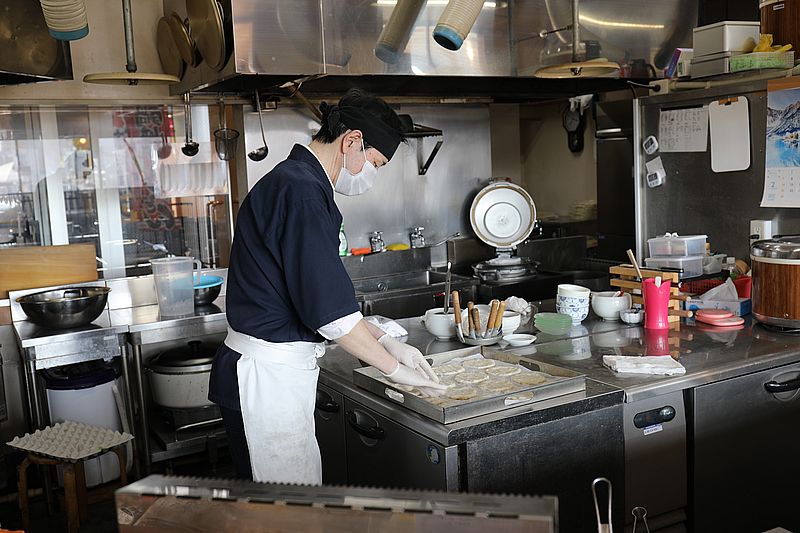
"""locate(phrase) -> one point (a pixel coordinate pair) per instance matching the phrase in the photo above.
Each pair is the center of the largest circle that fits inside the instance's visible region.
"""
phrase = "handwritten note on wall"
(683, 130)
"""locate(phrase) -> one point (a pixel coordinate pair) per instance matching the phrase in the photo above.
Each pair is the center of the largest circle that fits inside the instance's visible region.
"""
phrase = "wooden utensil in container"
(476, 320)
(470, 320)
(457, 315)
(498, 321)
(492, 316)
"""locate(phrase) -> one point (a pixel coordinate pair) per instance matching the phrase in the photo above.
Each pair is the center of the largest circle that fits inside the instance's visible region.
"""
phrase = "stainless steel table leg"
(126, 377)
(144, 438)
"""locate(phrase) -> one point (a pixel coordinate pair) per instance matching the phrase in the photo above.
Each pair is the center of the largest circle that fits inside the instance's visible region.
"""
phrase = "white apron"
(277, 394)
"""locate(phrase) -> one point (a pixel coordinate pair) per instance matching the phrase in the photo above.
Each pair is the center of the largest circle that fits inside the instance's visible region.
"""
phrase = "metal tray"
(564, 382)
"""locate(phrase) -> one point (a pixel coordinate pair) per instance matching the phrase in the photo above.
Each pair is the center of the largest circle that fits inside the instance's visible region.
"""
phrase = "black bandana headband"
(376, 132)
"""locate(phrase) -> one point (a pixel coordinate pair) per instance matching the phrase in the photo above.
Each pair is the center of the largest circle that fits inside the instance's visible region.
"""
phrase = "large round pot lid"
(205, 21)
(781, 248)
(502, 215)
(195, 356)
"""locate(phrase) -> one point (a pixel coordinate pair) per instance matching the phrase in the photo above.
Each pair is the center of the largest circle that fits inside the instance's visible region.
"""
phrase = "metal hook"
(601, 527)
(640, 513)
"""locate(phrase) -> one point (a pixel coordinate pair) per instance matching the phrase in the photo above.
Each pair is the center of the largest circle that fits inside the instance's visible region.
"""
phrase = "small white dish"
(440, 325)
(632, 316)
(519, 339)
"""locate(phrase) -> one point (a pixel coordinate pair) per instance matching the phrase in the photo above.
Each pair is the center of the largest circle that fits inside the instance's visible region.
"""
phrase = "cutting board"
(28, 267)
(729, 123)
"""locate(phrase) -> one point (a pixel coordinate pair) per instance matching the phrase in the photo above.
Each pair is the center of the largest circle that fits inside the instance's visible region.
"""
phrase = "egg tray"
(70, 441)
(559, 381)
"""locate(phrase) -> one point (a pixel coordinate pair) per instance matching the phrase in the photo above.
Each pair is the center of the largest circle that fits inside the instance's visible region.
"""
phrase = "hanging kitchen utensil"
(205, 21)
(131, 77)
(594, 68)
(183, 40)
(168, 54)
(165, 150)
(225, 138)
(259, 153)
(190, 148)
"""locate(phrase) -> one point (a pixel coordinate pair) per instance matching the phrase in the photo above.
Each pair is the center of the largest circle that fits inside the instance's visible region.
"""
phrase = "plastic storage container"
(685, 245)
(84, 393)
(727, 36)
(692, 266)
(758, 60)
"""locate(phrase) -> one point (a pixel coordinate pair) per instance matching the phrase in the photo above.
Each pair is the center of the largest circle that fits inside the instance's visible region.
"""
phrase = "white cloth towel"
(650, 364)
(387, 325)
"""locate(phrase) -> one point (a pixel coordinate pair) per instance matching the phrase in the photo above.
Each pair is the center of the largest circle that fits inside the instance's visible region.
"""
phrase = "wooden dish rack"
(625, 278)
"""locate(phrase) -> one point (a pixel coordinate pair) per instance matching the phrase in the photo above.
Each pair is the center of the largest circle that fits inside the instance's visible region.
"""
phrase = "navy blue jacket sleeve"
(317, 282)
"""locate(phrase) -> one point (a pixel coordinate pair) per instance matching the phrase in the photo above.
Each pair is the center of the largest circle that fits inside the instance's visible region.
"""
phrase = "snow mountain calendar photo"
(782, 179)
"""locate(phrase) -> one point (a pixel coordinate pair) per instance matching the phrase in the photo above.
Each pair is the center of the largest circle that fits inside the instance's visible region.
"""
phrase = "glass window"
(116, 178)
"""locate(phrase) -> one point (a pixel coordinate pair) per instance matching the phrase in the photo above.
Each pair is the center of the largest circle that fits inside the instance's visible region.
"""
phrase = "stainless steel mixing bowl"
(70, 307)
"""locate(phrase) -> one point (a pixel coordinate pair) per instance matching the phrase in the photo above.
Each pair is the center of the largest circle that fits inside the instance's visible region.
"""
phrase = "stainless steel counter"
(708, 356)
(337, 372)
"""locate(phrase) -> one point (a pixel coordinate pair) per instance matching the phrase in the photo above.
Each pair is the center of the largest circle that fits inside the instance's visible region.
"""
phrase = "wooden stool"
(74, 486)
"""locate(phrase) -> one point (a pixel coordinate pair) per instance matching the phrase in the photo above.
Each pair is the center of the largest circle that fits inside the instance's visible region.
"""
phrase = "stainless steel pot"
(69, 307)
(179, 377)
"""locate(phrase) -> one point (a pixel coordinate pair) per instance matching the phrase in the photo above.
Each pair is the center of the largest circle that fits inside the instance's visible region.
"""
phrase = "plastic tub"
(684, 245)
(692, 266)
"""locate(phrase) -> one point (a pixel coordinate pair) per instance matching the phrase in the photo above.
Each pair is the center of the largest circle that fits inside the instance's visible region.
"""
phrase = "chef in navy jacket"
(288, 291)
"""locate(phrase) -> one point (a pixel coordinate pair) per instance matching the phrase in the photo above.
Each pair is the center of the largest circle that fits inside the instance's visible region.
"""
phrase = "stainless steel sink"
(402, 281)
(407, 294)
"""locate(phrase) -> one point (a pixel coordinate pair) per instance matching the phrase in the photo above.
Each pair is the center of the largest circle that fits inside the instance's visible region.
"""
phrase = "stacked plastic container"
(673, 251)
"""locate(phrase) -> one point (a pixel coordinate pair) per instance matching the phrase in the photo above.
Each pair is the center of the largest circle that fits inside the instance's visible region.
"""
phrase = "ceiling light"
(615, 24)
(486, 5)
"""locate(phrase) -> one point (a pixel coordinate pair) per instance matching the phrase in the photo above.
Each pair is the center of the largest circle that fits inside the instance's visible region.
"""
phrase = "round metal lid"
(171, 60)
(205, 21)
(193, 357)
(782, 248)
(502, 215)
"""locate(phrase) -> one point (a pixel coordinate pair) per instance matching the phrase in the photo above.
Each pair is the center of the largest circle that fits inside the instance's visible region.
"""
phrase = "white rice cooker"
(179, 376)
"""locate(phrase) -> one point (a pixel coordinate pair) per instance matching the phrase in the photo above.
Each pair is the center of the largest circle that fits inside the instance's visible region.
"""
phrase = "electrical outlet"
(760, 230)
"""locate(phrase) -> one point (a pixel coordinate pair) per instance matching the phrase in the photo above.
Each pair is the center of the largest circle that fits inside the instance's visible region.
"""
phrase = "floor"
(102, 514)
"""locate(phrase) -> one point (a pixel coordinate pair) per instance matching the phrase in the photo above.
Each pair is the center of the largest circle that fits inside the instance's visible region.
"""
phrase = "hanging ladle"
(165, 150)
(259, 153)
(190, 148)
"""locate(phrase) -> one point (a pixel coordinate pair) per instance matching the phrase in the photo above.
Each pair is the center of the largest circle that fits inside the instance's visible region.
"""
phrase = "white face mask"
(351, 184)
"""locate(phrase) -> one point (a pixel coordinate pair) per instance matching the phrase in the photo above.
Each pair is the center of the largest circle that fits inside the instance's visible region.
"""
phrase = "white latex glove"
(408, 355)
(405, 375)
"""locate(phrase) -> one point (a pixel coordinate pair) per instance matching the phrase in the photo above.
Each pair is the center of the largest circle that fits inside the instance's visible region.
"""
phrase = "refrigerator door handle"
(787, 386)
(370, 432)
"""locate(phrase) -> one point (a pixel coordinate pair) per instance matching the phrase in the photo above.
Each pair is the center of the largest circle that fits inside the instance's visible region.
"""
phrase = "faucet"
(416, 237)
(450, 238)
(376, 243)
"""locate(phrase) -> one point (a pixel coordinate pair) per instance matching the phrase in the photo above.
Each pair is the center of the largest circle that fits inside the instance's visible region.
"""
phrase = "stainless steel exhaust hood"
(29, 53)
(333, 41)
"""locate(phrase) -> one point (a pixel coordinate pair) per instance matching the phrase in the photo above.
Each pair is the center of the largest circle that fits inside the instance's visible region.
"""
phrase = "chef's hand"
(405, 375)
(408, 355)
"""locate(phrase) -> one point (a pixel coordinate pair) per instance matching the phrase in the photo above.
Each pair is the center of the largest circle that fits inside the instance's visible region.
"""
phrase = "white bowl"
(607, 306)
(440, 325)
(519, 339)
(578, 314)
(573, 291)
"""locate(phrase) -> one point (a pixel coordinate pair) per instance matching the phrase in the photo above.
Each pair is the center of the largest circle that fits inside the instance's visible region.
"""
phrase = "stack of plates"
(553, 323)
(66, 19)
